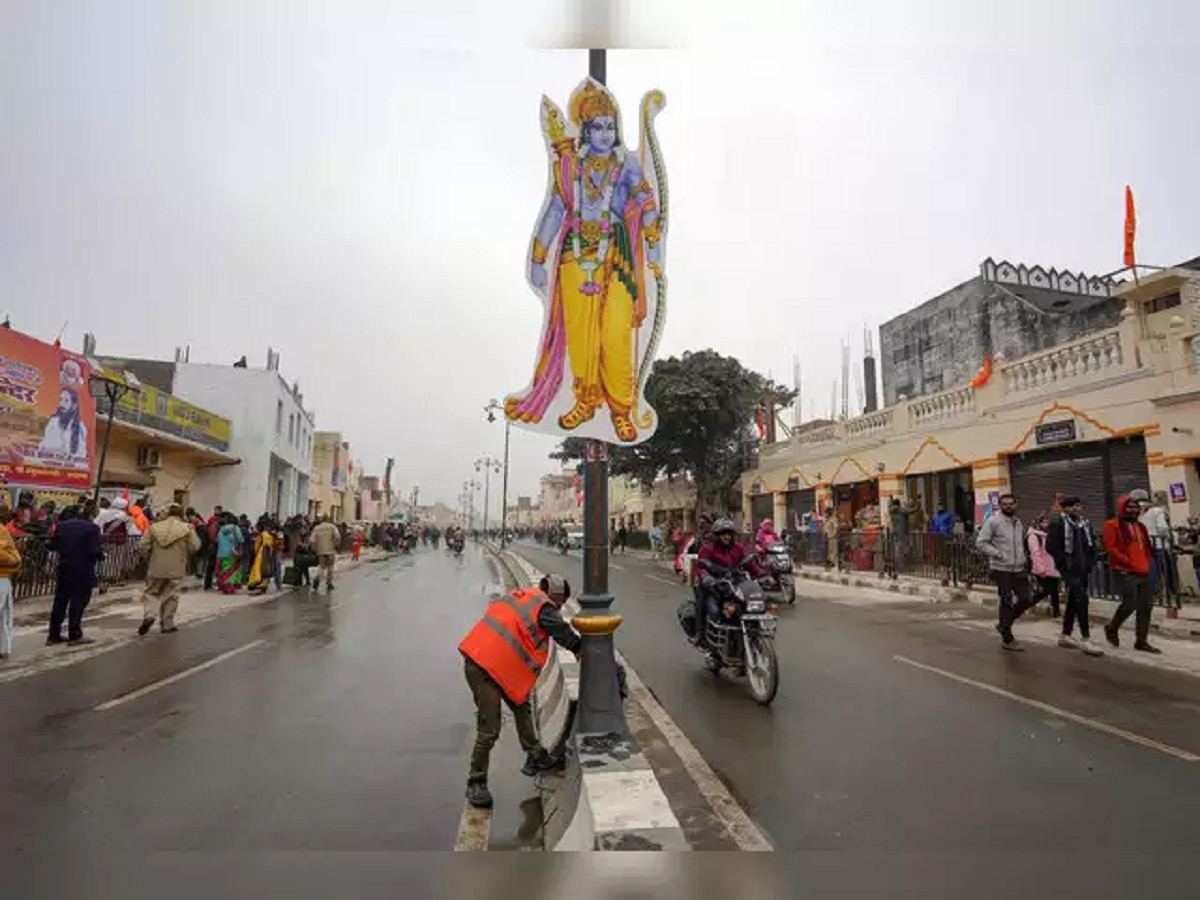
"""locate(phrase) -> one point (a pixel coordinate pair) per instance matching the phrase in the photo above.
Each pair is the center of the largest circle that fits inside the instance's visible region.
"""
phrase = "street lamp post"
(601, 713)
(488, 464)
(102, 387)
(470, 486)
(491, 409)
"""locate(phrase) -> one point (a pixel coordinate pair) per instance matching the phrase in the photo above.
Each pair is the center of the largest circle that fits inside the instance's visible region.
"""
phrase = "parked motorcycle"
(741, 632)
(777, 560)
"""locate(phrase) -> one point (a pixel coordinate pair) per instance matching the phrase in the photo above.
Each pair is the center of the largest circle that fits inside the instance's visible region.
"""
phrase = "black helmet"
(724, 526)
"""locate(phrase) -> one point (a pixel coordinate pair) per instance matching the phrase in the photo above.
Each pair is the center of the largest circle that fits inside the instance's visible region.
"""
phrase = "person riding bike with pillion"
(502, 656)
(723, 550)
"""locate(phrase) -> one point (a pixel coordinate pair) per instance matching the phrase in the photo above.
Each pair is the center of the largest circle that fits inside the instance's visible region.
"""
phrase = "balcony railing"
(947, 406)
(1089, 358)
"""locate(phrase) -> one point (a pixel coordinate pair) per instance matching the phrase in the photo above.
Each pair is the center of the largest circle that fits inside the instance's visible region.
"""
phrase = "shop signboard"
(1178, 492)
(1050, 433)
(160, 411)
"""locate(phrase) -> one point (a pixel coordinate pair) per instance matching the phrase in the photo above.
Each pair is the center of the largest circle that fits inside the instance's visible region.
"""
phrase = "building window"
(291, 429)
(278, 417)
(1168, 301)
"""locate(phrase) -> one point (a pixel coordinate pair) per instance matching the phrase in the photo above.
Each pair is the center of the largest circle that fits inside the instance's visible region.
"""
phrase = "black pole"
(601, 713)
(112, 411)
(504, 499)
(487, 495)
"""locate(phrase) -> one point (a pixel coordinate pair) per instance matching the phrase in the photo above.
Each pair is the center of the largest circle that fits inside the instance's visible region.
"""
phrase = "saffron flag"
(1130, 226)
(760, 423)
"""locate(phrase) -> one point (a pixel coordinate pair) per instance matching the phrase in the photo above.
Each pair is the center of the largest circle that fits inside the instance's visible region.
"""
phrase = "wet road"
(315, 722)
(863, 751)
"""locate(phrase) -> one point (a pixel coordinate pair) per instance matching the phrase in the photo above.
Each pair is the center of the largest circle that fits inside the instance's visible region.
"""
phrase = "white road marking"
(474, 829)
(740, 826)
(613, 565)
(178, 676)
(671, 581)
(1094, 724)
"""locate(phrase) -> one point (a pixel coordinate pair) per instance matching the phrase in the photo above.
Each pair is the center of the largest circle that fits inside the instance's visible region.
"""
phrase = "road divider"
(601, 800)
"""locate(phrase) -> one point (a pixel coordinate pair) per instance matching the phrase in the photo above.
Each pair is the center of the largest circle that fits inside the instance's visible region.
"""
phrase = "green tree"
(706, 405)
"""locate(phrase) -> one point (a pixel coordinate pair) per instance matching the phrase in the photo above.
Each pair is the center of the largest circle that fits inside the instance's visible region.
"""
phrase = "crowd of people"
(227, 550)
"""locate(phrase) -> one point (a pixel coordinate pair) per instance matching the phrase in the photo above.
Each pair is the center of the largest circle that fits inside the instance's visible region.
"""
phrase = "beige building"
(163, 447)
(328, 493)
(669, 501)
(556, 497)
(1095, 417)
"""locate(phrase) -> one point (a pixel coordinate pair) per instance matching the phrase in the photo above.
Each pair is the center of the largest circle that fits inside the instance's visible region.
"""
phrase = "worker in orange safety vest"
(503, 655)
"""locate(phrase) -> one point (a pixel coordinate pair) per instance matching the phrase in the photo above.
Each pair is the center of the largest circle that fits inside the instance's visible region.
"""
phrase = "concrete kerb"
(602, 800)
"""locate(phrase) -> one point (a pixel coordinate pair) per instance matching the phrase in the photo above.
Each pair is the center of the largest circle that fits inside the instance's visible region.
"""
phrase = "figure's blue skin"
(601, 136)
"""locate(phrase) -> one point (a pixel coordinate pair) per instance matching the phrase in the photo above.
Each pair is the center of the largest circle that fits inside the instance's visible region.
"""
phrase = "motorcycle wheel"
(789, 591)
(762, 669)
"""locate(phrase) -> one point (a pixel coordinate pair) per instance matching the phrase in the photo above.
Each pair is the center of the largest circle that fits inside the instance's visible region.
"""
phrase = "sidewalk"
(1185, 627)
(111, 620)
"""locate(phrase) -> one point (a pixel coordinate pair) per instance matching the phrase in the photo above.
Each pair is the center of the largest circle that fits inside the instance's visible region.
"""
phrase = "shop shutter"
(1127, 468)
(798, 503)
(1040, 478)
(762, 506)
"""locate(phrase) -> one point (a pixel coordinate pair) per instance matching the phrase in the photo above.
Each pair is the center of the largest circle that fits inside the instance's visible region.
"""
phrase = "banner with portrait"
(47, 414)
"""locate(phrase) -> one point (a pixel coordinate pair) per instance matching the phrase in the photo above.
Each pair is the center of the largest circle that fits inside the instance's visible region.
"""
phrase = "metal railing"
(949, 558)
(37, 576)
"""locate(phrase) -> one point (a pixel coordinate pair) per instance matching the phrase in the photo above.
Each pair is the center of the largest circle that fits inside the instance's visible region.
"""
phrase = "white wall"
(251, 399)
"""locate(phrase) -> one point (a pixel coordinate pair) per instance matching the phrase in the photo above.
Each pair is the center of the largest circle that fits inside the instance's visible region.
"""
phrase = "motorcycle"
(777, 559)
(455, 545)
(741, 631)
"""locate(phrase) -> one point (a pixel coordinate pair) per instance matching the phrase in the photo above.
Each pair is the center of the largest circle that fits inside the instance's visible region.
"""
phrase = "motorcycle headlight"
(756, 606)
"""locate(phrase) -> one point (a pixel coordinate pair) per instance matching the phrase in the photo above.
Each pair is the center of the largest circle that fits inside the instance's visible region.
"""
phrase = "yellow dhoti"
(600, 331)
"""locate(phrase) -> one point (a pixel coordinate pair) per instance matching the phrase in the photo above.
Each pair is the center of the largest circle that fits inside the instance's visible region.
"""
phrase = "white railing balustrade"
(818, 435)
(868, 425)
(944, 407)
(1090, 357)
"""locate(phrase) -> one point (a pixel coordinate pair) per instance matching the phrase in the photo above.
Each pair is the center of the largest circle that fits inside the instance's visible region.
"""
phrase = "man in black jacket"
(76, 540)
(1070, 540)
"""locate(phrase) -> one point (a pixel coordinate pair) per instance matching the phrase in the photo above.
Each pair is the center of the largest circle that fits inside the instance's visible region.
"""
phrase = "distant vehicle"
(574, 538)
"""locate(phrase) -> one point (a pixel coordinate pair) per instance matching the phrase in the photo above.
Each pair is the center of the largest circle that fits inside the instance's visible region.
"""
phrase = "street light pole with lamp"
(105, 387)
(491, 410)
(470, 486)
(488, 464)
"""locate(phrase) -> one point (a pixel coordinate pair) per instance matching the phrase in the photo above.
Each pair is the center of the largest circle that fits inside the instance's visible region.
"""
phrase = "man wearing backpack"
(1002, 541)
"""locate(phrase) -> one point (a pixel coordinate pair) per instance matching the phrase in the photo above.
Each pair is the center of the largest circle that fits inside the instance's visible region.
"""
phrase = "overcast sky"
(354, 183)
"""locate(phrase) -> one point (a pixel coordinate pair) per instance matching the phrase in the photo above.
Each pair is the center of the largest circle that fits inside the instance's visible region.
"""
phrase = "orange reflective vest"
(508, 644)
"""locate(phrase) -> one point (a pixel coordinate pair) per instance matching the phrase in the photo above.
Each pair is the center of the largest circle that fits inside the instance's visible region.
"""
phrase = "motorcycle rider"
(766, 535)
(723, 549)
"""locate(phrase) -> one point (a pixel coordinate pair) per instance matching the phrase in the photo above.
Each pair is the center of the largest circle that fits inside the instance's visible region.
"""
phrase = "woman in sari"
(229, 555)
(264, 558)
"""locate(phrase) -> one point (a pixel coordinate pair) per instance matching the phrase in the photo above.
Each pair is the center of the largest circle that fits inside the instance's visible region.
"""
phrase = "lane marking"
(738, 824)
(670, 581)
(613, 565)
(474, 829)
(178, 676)
(1094, 724)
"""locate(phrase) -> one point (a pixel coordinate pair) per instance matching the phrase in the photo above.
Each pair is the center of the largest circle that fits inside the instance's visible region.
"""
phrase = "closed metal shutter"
(798, 503)
(762, 506)
(1040, 478)
(1127, 468)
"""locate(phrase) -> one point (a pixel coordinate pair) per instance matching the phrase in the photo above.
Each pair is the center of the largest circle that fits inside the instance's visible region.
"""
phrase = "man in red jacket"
(1127, 544)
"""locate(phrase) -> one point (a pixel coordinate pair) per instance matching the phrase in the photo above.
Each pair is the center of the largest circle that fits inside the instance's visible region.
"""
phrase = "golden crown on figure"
(589, 101)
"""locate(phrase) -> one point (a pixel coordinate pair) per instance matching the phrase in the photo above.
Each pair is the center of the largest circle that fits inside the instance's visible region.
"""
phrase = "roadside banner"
(47, 414)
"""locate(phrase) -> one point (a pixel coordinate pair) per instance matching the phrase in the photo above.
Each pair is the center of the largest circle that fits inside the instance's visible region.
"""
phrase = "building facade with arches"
(1096, 417)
